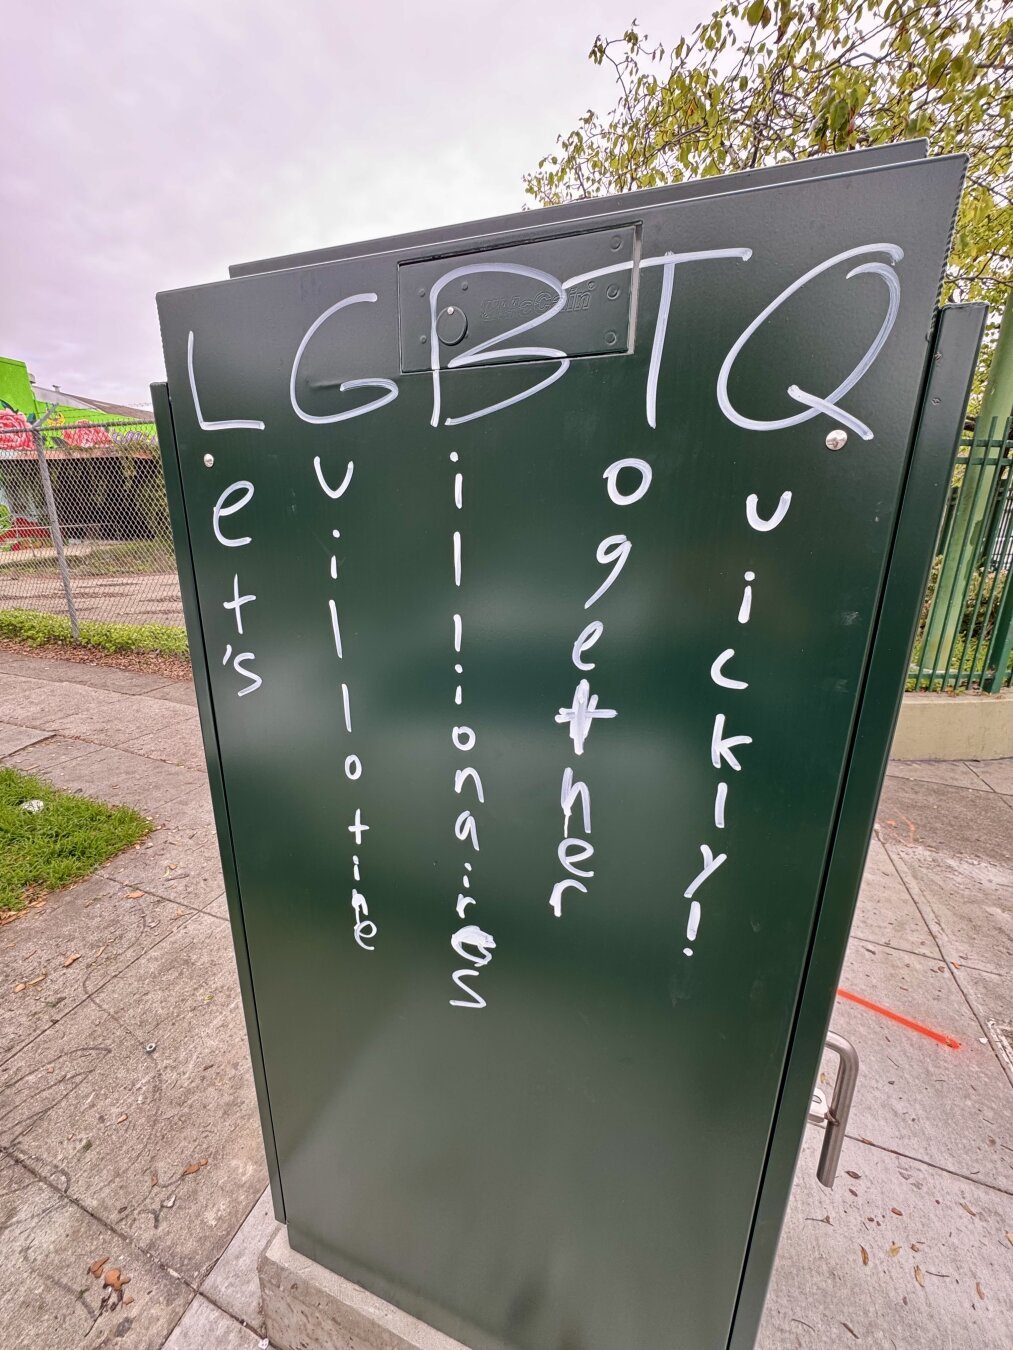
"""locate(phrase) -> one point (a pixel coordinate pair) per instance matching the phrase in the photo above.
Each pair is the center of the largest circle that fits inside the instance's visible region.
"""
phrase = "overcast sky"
(149, 145)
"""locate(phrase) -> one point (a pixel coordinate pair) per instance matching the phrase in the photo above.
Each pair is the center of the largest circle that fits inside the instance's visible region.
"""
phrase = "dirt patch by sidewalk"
(145, 663)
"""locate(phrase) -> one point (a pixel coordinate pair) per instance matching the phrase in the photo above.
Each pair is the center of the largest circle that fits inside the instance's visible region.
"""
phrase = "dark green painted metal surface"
(578, 1161)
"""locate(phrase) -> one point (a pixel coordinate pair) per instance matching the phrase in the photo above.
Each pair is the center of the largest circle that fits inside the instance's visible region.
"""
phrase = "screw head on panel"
(208, 461)
(837, 439)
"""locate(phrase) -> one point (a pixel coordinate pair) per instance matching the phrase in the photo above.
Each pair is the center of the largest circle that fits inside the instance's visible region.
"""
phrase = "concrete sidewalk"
(128, 1127)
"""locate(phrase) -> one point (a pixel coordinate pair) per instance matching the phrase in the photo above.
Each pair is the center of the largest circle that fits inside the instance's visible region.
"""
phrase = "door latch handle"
(834, 1117)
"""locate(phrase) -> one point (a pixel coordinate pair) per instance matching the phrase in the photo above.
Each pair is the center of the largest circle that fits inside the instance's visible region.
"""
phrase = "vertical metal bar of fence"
(995, 671)
(55, 532)
(991, 572)
(979, 571)
(942, 547)
(941, 667)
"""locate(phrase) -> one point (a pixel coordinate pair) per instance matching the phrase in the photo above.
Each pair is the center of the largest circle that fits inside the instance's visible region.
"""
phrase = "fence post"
(956, 571)
(1001, 643)
(55, 532)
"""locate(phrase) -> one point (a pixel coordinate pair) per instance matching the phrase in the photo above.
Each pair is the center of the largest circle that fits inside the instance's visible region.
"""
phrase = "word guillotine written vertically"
(549, 582)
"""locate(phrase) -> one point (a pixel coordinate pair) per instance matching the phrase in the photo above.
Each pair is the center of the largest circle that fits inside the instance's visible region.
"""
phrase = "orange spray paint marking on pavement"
(900, 1018)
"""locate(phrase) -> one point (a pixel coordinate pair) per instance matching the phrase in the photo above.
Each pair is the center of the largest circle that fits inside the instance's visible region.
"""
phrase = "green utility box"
(550, 583)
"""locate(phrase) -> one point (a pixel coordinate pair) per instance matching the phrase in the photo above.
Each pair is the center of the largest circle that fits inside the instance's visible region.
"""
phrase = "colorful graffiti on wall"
(16, 431)
(91, 465)
(21, 413)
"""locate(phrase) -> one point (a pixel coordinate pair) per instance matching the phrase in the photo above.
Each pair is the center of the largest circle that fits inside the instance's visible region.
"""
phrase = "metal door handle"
(835, 1116)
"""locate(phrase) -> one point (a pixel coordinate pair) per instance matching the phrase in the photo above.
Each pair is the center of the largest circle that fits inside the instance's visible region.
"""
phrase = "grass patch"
(41, 630)
(63, 842)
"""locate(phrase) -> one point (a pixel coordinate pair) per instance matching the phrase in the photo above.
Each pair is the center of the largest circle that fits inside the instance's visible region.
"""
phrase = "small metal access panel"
(494, 297)
(548, 642)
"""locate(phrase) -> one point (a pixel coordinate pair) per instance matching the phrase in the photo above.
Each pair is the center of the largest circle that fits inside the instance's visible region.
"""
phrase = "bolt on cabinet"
(549, 583)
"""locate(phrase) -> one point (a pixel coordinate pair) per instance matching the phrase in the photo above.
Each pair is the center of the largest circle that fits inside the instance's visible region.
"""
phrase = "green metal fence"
(965, 635)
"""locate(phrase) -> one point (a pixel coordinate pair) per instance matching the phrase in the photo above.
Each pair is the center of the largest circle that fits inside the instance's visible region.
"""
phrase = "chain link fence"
(85, 537)
(84, 524)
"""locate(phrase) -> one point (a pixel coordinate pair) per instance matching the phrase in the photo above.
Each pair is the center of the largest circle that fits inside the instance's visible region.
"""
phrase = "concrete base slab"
(219, 907)
(80, 710)
(62, 953)
(970, 900)
(950, 1108)
(14, 737)
(993, 995)
(896, 1256)
(941, 726)
(42, 756)
(182, 744)
(179, 691)
(233, 1284)
(205, 1327)
(56, 671)
(997, 773)
(162, 1143)
(167, 864)
(948, 819)
(48, 1298)
(886, 914)
(309, 1308)
(165, 792)
(954, 773)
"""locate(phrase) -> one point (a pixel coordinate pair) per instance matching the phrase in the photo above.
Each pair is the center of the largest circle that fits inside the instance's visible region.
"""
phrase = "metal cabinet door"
(400, 575)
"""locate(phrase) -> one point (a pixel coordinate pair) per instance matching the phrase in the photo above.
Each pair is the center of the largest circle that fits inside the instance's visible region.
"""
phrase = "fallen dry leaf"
(95, 1268)
(865, 1256)
(919, 1277)
(898, 1212)
(134, 895)
(893, 1249)
(967, 1207)
(27, 984)
(154, 1180)
(194, 1168)
(121, 1119)
(115, 1279)
(978, 1289)
(71, 959)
